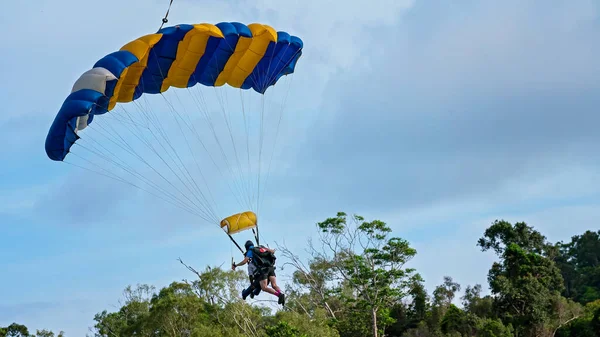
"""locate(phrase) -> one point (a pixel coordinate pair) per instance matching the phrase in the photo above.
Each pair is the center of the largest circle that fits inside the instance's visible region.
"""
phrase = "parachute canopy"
(246, 57)
(238, 222)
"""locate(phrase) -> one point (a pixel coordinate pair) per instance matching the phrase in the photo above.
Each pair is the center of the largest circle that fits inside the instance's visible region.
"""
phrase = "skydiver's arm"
(244, 261)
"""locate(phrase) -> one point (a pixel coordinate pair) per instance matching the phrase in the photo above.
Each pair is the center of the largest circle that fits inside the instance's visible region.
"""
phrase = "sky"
(436, 117)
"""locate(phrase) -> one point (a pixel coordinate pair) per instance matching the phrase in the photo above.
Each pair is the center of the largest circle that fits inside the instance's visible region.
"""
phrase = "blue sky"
(436, 117)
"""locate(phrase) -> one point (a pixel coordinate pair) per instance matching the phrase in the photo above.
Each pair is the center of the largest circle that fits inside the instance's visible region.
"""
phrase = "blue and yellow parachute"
(250, 56)
(253, 56)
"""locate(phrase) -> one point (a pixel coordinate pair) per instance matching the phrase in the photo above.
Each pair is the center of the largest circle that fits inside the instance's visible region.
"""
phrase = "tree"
(409, 315)
(313, 276)
(298, 323)
(579, 262)
(20, 330)
(14, 330)
(131, 318)
(454, 320)
(48, 333)
(366, 266)
(283, 329)
(442, 299)
(477, 305)
(524, 282)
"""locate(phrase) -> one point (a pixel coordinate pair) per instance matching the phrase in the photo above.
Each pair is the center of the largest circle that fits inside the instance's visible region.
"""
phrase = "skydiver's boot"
(281, 299)
(247, 292)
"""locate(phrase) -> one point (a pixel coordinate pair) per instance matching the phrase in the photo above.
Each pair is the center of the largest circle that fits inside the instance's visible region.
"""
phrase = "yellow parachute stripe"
(262, 35)
(240, 49)
(130, 77)
(189, 52)
(238, 222)
(248, 52)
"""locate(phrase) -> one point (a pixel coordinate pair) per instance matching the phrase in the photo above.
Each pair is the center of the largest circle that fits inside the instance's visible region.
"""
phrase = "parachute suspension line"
(245, 181)
(192, 129)
(175, 159)
(198, 103)
(237, 182)
(127, 182)
(264, 85)
(131, 151)
(260, 147)
(247, 131)
(245, 187)
(283, 104)
(170, 156)
(281, 111)
(190, 179)
(112, 158)
(192, 153)
(153, 149)
(123, 165)
(165, 19)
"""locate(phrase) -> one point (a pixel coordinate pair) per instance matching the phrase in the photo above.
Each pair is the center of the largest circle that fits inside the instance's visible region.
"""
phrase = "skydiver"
(254, 287)
(263, 258)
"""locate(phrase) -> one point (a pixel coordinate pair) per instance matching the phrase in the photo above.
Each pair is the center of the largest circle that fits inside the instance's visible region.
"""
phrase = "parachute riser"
(236, 244)
(256, 235)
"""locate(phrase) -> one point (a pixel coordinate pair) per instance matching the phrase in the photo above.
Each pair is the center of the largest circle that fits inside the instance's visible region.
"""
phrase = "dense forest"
(354, 283)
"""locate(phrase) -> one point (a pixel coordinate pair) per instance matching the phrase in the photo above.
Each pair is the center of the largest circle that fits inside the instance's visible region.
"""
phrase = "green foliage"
(454, 320)
(579, 262)
(316, 325)
(20, 330)
(487, 327)
(370, 263)
(14, 330)
(477, 305)
(525, 282)
(283, 329)
(357, 285)
(501, 234)
(586, 325)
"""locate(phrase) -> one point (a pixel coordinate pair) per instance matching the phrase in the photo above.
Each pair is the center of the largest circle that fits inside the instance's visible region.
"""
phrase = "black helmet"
(248, 245)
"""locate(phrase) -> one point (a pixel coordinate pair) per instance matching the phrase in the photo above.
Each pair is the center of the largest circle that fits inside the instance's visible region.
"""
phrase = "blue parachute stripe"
(261, 74)
(161, 58)
(219, 57)
(199, 75)
(258, 75)
(287, 59)
(62, 136)
(280, 61)
(115, 63)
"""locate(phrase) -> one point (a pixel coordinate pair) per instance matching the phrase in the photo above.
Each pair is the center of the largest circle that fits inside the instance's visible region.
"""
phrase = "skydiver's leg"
(257, 288)
(250, 289)
(257, 291)
(264, 287)
(273, 278)
(264, 279)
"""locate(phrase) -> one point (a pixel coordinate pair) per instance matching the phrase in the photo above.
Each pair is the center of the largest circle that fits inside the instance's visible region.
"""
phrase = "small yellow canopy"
(238, 222)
